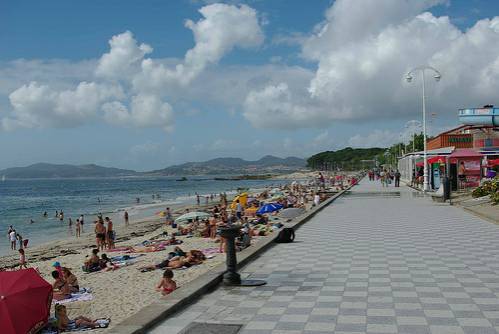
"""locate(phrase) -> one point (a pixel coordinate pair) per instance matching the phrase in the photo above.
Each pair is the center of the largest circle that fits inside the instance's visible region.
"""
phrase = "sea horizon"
(24, 199)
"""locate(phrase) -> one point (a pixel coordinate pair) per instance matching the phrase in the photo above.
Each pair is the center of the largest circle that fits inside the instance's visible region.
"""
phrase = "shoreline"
(121, 293)
(138, 213)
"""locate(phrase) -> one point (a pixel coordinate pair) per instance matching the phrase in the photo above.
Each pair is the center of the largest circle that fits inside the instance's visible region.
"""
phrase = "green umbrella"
(192, 216)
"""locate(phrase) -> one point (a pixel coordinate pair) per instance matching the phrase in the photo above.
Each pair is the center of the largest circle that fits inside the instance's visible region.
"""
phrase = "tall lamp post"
(437, 76)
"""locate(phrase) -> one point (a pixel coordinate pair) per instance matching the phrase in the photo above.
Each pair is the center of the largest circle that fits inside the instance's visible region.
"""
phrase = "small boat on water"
(182, 179)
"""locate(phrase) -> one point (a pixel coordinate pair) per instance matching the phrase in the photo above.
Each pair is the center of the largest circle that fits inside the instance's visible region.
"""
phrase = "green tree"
(418, 143)
(347, 158)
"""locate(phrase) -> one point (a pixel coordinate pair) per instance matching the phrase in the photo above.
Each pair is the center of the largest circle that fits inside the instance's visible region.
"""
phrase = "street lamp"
(437, 76)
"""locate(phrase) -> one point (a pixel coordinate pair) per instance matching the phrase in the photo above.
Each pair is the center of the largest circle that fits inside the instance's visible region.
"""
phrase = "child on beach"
(167, 285)
(22, 259)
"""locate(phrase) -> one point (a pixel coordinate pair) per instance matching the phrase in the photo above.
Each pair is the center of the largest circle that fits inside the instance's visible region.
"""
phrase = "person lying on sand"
(193, 257)
(166, 285)
(60, 286)
(63, 322)
(106, 264)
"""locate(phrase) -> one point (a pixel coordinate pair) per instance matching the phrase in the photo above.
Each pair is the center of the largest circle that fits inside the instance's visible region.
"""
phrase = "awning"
(438, 159)
(464, 153)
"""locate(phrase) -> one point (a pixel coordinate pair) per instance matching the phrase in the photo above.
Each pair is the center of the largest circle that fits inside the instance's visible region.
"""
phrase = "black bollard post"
(447, 188)
(231, 277)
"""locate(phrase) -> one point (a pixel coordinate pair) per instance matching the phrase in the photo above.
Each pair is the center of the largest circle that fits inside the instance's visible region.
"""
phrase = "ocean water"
(23, 200)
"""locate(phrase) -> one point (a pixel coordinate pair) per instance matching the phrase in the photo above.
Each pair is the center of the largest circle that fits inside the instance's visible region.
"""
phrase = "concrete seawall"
(155, 313)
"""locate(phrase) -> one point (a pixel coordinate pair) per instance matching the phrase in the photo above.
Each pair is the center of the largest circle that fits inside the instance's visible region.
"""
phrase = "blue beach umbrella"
(270, 207)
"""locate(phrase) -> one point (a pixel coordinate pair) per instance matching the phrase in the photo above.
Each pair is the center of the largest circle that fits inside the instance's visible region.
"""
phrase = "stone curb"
(490, 219)
(153, 314)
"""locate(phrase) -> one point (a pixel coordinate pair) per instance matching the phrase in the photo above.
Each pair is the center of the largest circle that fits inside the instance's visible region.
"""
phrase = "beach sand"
(118, 294)
(121, 293)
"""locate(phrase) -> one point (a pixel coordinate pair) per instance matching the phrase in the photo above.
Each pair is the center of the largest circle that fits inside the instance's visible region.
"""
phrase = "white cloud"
(123, 58)
(35, 105)
(222, 28)
(349, 22)
(126, 88)
(146, 110)
(377, 138)
(363, 50)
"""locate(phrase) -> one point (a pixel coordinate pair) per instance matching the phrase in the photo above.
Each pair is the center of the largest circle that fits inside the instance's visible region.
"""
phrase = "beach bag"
(286, 235)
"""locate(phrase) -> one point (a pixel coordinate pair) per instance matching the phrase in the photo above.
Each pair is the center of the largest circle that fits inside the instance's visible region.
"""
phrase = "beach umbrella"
(291, 213)
(25, 299)
(242, 198)
(270, 207)
(192, 216)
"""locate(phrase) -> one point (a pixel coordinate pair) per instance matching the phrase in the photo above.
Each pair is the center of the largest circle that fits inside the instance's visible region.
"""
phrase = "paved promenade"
(379, 260)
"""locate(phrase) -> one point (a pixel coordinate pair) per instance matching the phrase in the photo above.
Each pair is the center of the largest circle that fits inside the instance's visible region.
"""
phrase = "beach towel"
(125, 257)
(128, 262)
(103, 323)
(82, 296)
(120, 249)
(209, 251)
(147, 249)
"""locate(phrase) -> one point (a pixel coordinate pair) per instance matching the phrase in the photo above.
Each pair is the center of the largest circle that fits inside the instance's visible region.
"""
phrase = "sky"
(151, 83)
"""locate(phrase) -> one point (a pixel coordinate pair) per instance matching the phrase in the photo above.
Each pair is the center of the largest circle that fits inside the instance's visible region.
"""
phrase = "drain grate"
(208, 328)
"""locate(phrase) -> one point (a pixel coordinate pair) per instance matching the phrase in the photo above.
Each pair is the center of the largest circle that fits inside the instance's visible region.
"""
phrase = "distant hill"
(349, 158)
(46, 170)
(267, 164)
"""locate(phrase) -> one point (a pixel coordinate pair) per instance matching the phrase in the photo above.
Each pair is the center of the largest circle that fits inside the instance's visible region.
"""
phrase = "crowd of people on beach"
(243, 211)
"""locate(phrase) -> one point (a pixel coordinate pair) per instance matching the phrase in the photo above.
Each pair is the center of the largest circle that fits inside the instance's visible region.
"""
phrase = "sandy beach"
(121, 293)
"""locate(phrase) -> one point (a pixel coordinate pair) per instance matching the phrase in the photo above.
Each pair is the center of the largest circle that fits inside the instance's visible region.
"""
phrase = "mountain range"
(267, 164)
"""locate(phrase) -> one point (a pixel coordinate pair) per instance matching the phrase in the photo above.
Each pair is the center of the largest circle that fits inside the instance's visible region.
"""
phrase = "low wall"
(151, 315)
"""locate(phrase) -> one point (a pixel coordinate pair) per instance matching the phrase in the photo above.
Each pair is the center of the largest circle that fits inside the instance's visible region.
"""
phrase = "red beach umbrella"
(25, 299)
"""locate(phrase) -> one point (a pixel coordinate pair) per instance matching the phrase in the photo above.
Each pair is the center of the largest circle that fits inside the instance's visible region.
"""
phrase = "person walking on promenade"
(397, 178)
(382, 176)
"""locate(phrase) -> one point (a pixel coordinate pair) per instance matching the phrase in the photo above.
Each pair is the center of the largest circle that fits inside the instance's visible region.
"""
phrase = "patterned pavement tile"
(368, 263)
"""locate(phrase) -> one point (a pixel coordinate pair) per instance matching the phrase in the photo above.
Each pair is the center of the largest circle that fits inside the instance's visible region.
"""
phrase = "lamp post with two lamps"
(437, 76)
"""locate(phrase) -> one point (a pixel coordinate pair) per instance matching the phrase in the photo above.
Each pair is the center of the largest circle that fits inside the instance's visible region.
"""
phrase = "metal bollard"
(447, 187)
(231, 277)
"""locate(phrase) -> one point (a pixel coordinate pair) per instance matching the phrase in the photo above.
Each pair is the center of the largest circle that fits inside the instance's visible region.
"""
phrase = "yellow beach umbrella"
(243, 199)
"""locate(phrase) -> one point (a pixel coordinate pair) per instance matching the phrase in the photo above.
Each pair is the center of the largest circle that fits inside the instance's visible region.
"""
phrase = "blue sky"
(290, 78)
